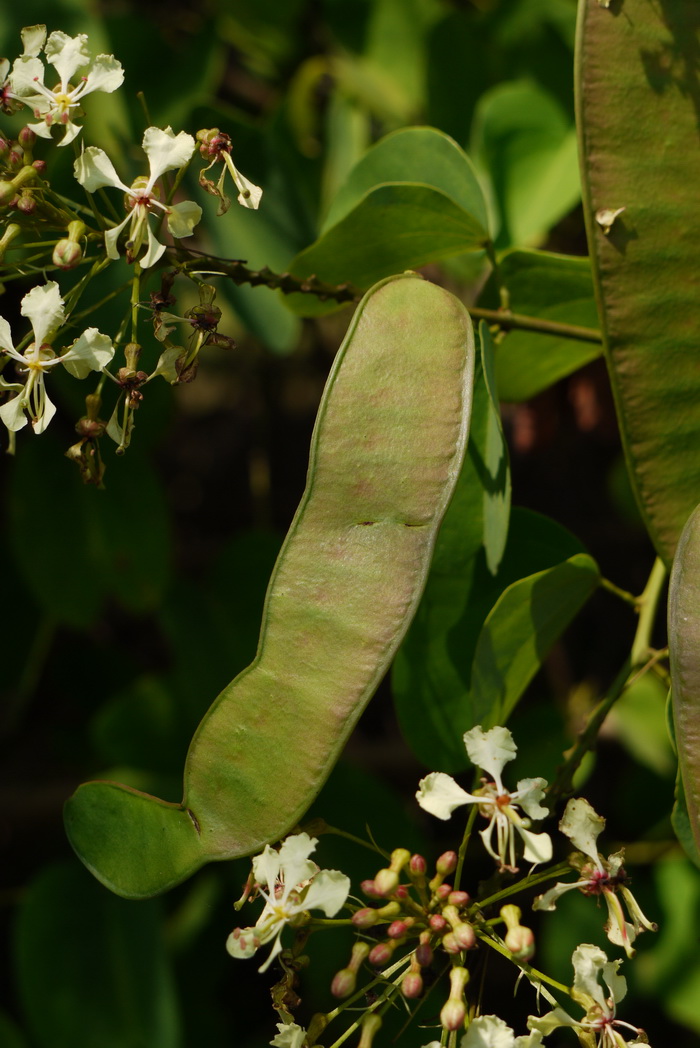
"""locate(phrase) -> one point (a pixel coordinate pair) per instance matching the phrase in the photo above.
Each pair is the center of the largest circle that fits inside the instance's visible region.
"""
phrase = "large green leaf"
(552, 287)
(385, 456)
(413, 154)
(433, 677)
(92, 968)
(525, 148)
(396, 226)
(638, 98)
(519, 631)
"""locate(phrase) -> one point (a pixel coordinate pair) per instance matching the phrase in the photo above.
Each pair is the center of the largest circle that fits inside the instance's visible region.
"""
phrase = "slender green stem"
(532, 881)
(532, 973)
(135, 296)
(462, 853)
(648, 603)
(625, 595)
(370, 845)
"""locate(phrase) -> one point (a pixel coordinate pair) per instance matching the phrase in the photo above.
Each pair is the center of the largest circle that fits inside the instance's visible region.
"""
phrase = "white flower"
(92, 351)
(582, 826)
(439, 794)
(67, 54)
(600, 1026)
(488, 1031)
(290, 1036)
(166, 151)
(290, 883)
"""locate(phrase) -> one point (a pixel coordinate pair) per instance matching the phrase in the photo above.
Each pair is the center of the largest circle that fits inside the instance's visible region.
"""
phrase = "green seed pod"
(684, 650)
(385, 455)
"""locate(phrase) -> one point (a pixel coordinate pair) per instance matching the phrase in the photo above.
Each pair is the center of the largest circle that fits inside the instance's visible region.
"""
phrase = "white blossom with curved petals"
(439, 794)
(290, 1035)
(290, 883)
(488, 1031)
(166, 151)
(67, 54)
(91, 351)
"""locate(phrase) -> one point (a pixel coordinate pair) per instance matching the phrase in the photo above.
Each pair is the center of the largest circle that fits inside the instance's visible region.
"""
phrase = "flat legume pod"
(385, 455)
(684, 650)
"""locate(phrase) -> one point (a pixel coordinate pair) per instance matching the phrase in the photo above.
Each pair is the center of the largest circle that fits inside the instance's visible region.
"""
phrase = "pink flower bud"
(412, 985)
(344, 983)
(402, 891)
(39, 165)
(26, 138)
(443, 892)
(437, 922)
(453, 1014)
(368, 886)
(417, 866)
(464, 936)
(458, 899)
(26, 204)
(365, 918)
(67, 254)
(398, 929)
(381, 954)
(447, 863)
(424, 955)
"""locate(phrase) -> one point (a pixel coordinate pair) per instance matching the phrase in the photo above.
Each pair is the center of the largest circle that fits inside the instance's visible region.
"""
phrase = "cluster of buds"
(420, 917)
(19, 172)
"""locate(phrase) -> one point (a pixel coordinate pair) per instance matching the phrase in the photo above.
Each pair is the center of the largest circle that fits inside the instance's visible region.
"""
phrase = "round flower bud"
(458, 899)
(453, 1014)
(67, 254)
(424, 954)
(398, 929)
(417, 866)
(365, 918)
(369, 888)
(344, 983)
(381, 954)
(412, 985)
(437, 922)
(26, 204)
(521, 942)
(447, 863)
(27, 138)
(386, 882)
(464, 936)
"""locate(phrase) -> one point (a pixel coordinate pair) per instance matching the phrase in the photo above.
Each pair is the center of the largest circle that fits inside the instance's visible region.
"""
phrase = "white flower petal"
(490, 750)
(154, 250)
(290, 1035)
(48, 411)
(167, 364)
(183, 218)
(529, 794)
(439, 794)
(67, 53)
(12, 414)
(111, 238)
(582, 826)
(43, 306)
(544, 1024)
(249, 195)
(549, 899)
(488, 1031)
(295, 865)
(6, 342)
(532, 1040)
(327, 892)
(538, 846)
(72, 131)
(33, 39)
(106, 74)
(266, 867)
(26, 73)
(90, 352)
(93, 169)
(41, 129)
(589, 962)
(166, 150)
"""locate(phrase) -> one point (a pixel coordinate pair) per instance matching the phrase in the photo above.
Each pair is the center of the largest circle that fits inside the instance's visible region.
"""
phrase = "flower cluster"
(53, 77)
(419, 927)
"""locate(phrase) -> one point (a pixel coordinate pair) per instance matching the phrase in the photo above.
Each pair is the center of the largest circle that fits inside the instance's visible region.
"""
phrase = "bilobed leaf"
(638, 102)
(92, 969)
(525, 148)
(550, 287)
(386, 452)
